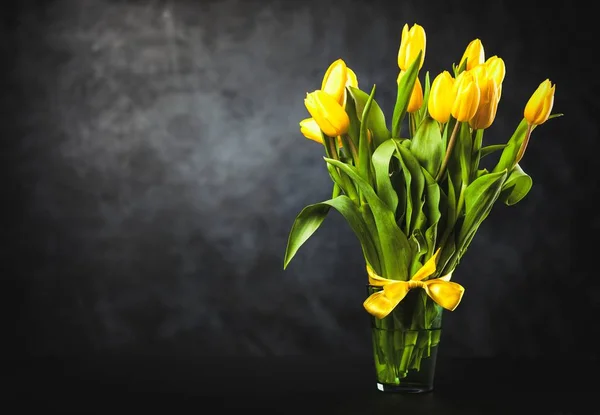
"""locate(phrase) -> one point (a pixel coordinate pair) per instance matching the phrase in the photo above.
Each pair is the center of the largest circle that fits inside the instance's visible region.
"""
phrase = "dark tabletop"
(291, 385)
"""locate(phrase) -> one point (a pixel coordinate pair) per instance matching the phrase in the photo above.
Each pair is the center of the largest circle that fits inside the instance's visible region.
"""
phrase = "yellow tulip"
(441, 97)
(467, 96)
(413, 41)
(488, 98)
(496, 69)
(474, 54)
(334, 80)
(416, 97)
(327, 112)
(540, 104)
(310, 129)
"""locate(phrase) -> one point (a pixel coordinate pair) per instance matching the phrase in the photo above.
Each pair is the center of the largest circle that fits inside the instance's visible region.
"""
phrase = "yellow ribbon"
(441, 290)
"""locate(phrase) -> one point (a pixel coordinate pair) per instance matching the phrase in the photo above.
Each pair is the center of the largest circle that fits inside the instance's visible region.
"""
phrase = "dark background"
(153, 167)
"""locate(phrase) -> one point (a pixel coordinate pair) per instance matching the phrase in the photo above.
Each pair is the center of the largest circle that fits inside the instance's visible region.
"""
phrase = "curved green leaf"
(517, 185)
(364, 148)
(312, 216)
(509, 154)
(423, 112)
(432, 211)
(395, 248)
(487, 150)
(427, 145)
(479, 199)
(381, 165)
(415, 184)
(354, 127)
(376, 118)
(405, 88)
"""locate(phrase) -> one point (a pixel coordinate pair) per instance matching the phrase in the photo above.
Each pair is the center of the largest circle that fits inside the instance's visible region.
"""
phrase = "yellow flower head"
(413, 41)
(310, 129)
(540, 104)
(496, 69)
(334, 80)
(474, 54)
(488, 98)
(330, 116)
(467, 96)
(441, 97)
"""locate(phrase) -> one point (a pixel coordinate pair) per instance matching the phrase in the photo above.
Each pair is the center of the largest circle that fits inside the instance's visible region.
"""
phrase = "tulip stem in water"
(451, 143)
(524, 145)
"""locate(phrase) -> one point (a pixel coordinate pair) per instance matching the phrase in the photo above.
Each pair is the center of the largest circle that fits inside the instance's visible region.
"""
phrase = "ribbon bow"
(441, 290)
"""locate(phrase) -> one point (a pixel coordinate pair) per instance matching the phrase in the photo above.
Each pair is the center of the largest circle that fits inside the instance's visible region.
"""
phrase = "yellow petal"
(311, 130)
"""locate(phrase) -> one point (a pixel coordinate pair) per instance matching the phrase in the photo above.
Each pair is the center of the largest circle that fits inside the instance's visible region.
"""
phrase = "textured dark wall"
(154, 167)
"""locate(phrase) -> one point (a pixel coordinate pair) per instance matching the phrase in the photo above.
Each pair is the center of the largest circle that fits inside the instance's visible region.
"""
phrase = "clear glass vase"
(405, 344)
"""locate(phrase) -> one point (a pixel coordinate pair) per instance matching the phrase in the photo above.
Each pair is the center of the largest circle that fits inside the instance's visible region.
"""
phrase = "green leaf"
(432, 211)
(354, 128)
(479, 199)
(415, 183)
(381, 165)
(312, 216)
(427, 145)
(394, 244)
(423, 112)
(509, 154)
(516, 187)
(487, 150)
(364, 149)
(405, 87)
(376, 118)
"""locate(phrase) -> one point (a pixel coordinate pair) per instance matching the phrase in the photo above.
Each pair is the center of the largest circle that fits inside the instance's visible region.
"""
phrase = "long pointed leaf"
(509, 154)
(381, 165)
(479, 199)
(405, 88)
(516, 187)
(364, 149)
(432, 211)
(311, 218)
(427, 145)
(415, 185)
(376, 118)
(394, 244)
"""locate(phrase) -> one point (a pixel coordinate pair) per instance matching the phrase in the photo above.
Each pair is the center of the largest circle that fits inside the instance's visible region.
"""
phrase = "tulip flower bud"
(496, 69)
(488, 100)
(467, 96)
(327, 112)
(416, 97)
(310, 129)
(413, 41)
(441, 97)
(540, 104)
(474, 54)
(334, 80)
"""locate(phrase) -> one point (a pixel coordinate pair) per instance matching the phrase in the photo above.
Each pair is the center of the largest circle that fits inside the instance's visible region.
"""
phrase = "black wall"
(154, 166)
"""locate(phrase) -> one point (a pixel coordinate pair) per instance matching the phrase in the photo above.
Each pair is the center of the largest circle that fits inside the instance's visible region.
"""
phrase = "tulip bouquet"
(412, 187)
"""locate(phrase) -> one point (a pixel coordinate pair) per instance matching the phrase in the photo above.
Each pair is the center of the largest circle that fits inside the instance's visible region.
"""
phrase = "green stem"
(353, 151)
(451, 144)
(524, 144)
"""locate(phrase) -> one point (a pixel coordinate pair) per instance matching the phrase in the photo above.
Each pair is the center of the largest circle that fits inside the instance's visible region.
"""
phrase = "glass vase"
(405, 343)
